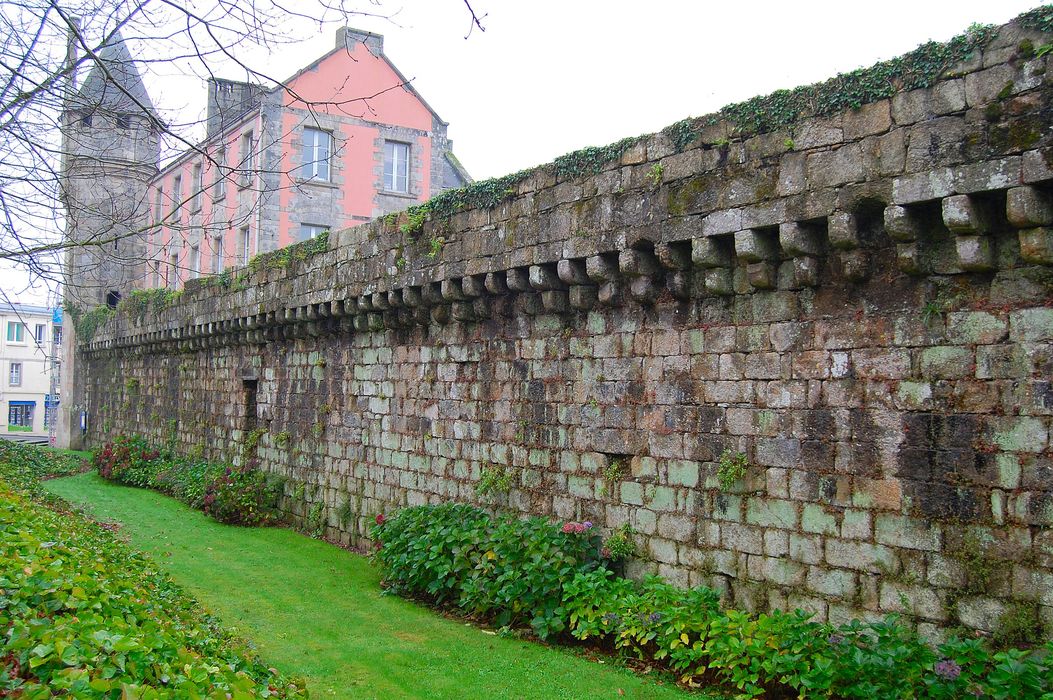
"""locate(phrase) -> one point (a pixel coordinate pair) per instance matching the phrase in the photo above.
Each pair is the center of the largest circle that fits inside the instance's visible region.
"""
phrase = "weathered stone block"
(1028, 207)
(910, 533)
(756, 246)
(1031, 325)
(1036, 245)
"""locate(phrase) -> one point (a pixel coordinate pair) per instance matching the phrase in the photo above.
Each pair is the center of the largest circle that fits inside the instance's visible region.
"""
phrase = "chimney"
(346, 38)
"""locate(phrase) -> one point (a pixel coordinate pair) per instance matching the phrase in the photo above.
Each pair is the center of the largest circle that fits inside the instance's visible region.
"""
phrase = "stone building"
(342, 141)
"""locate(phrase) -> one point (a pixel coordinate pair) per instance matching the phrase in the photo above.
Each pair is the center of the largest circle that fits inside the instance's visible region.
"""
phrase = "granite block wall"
(861, 304)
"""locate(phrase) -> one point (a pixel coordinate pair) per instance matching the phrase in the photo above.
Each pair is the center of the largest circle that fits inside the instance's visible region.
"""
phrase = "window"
(316, 153)
(124, 121)
(221, 180)
(243, 245)
(85, 121)
(248, 159)
(159, 198)
(14, 378)
(56, 334)
(308, 231)
(40, 333)
(217, 254)
(195, 192)
(15, 332)
(20, 415)
(177, 193)
(113, 298)
(195, 261)
(396, 166)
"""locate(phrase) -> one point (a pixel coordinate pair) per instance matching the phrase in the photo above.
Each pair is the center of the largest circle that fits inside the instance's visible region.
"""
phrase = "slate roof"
(121, 91)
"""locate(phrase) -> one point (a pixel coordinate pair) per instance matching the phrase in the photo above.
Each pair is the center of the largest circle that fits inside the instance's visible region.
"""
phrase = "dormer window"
(85, 121)
(124, 121)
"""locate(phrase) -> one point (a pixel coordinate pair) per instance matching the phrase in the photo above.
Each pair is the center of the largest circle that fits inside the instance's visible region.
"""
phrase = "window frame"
(14, 374)
(220, 186)
(40, 333)
(312, 161)
(244, 244)
(196, 180)
(391, 148)
(316, 230)
(177, 195)
(248, 159)
(18, 335)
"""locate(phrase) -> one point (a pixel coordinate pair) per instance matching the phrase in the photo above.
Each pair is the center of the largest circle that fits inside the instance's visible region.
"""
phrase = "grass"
(315, 610)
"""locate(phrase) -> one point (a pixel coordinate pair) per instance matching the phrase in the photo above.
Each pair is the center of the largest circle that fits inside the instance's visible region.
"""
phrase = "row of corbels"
(786, 257)
(972, 219)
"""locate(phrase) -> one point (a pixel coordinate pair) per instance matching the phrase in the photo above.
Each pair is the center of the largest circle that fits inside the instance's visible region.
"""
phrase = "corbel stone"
(336, 308)
(643, 289)
(481, 307)
(365, 302)
(679, 284)
(1028, 207)
(572, 272)
(754, 246)
(710, 252)
(582, 296)
(544, 278)
(518, 280)
(908, 259)
(797, 239)
(451, 290)
(394, 298)
(431, 294)
(554, 300)
(1036, 245)
(842, 230)
(323, 309)
(805, 271)
(361, 323)
(638, 263)
(855, 265)
(673, 256)
(530, 304)
(719, 281)
(495, 283)
(380, 301)
(440, 314)
(411, 296)
(462, 311)
(473, 286)
(762, 275)
(609, 294)
(602, 268)
(901, 224)
(963, 214)
(975, 253)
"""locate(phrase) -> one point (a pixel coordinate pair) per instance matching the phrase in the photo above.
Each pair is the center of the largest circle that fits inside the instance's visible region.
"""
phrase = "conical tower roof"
(114, 84)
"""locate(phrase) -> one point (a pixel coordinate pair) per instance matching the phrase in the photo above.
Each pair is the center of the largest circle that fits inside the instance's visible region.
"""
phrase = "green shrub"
(507, 569)
(239, 496)
(242, 496)
(130, 460)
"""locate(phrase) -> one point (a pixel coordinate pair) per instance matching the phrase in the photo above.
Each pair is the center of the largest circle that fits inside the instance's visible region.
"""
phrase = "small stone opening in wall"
(870, 223)
(113, 298)
(250, 391)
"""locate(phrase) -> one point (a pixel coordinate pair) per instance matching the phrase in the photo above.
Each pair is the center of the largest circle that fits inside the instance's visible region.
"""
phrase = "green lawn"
(316, 610)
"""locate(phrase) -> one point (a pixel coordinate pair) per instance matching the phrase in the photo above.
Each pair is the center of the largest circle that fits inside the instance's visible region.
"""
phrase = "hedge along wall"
(858, 300)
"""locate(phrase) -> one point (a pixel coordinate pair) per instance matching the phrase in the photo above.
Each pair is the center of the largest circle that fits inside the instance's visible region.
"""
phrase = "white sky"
(548, 77)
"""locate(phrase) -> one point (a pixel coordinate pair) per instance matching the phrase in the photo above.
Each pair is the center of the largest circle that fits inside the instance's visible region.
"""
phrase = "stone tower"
(111, 147)
(111, 150)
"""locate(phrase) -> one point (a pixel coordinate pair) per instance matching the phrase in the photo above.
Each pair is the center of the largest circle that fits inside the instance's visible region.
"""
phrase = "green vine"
(283, 257)
(87, 323)
(1040, 18)
(731, 467)
(140, 301)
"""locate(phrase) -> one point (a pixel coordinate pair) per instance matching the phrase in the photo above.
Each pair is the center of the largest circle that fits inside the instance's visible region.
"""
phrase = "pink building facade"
(342, 141)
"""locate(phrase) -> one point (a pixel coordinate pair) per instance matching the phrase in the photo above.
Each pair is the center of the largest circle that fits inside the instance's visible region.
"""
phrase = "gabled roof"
(113, 84)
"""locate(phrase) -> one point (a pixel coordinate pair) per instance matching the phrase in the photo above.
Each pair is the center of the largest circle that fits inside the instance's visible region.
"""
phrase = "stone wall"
(860, 304)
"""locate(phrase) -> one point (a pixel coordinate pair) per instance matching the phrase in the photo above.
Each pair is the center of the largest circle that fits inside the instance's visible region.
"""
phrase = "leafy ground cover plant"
(81, 615)
(492, 566)
(234, 495)
(508, 570)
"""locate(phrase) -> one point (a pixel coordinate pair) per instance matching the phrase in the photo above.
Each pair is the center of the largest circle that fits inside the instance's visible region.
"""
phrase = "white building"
(29, 342)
